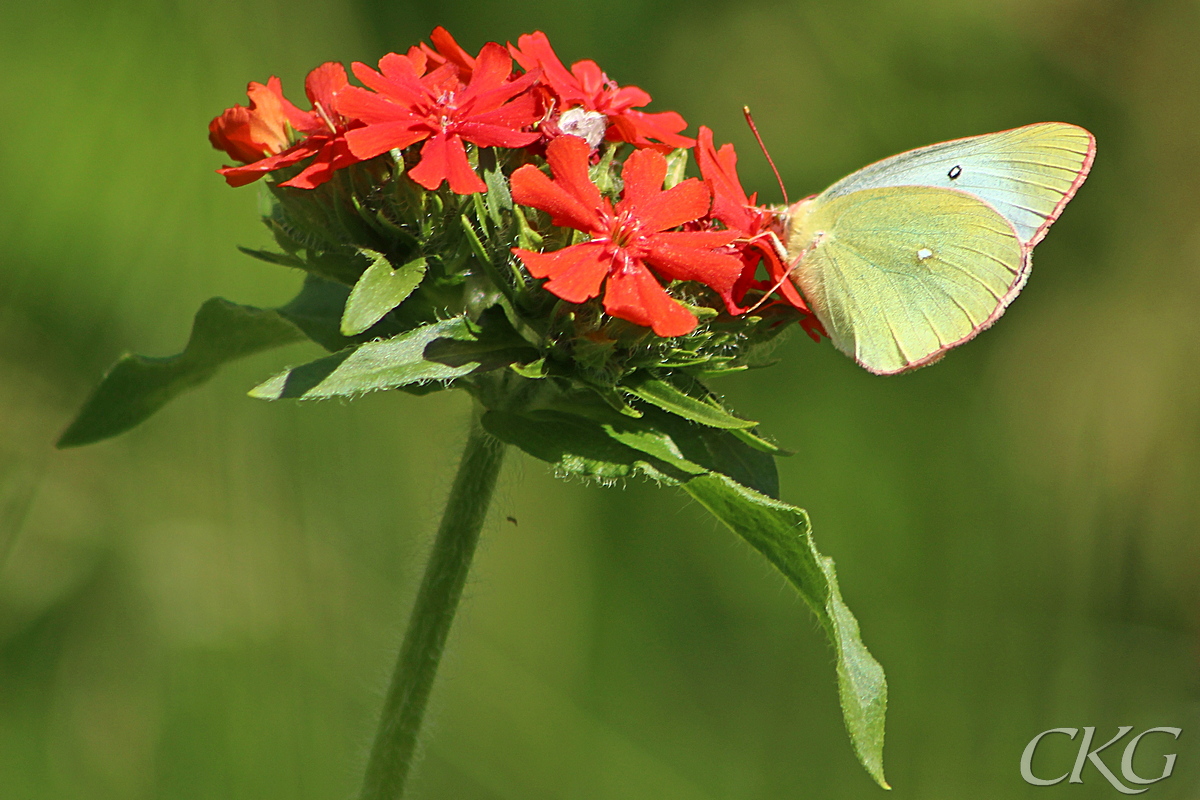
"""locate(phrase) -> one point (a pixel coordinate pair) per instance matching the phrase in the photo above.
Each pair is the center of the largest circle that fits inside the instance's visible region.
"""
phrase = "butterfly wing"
(1027, 174)
(899, 275)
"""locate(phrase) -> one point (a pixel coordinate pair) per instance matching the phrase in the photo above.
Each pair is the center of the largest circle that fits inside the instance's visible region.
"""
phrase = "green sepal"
(696, 404)
(378, 290)
(137, 386)
(782, 533)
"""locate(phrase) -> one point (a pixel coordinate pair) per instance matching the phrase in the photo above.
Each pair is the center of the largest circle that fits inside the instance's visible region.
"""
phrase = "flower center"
(625, 231)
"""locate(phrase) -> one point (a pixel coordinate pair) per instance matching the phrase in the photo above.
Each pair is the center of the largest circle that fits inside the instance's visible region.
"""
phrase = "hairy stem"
(404, 707)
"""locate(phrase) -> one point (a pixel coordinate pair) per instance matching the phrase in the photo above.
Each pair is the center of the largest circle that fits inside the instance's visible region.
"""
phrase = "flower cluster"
(635, 245)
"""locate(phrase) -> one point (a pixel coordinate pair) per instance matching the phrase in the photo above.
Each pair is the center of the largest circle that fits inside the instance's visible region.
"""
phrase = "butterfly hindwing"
(899, 275)
(1027, 174)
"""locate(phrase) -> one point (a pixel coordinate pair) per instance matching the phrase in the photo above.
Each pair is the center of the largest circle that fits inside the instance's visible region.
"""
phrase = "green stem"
(404, 707)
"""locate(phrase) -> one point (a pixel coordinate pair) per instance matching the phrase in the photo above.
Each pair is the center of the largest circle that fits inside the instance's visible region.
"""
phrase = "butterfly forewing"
(900, 275)
(1027, 174)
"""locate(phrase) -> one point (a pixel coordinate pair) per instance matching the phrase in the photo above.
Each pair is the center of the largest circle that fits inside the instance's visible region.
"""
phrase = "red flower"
(754, 225)
(272, 114)
(260, 136)
(250, 133)
(622, 242)
(586, 86)
(447, 51)
(411, 106)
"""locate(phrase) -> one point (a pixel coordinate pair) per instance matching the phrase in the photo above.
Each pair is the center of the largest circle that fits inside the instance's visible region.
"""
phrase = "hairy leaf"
(369, 367)
(782, 533)
(576, 445)
(696, 405)
(137, 386)
(378, 290)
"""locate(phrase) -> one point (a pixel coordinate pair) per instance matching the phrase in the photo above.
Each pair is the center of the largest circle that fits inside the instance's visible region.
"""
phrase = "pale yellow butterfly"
(918, 253)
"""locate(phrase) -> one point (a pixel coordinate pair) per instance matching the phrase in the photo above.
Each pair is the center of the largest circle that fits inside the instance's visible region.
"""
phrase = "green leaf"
(761, 444)
(317, 310)
(534, 370)
(379, 290)
(369, 367)
(669, 397)
(280, 259)
(527, 237)
(655, 443)
(700, 447)
(493, 343)
(688, 447)
(137, 386)
(782, 533)
(722, 451)
(676, 167)
(498, 198)
(575, 445)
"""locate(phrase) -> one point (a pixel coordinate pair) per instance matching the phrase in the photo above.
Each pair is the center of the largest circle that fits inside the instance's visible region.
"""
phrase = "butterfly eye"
(954, 172)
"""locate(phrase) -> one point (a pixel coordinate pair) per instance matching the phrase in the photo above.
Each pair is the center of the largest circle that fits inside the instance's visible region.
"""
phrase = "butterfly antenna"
(763, 147)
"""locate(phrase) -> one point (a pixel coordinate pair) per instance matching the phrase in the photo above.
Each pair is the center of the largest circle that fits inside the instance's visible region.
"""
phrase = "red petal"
(531, 187)
(719, 169)
(332, 156)
(592, 82)
(571, 199)
(398, 88)
(477, 103)
(517, 114)
(494, 135)
(418, 58)
(575, 272)
(300, 120)
(638, 127)
(704, 240)
(633, 294)
(444, 158)
(492, 68)
(231, 132)
(401, 68)
(372, 140)
(682, 203)
(627, 97)
(568, 157)
(776, 272)
(322, 83)
(248, 173)
(643, 173)
(718, 270)
(450, 50)
(355, 103)
(533, 50)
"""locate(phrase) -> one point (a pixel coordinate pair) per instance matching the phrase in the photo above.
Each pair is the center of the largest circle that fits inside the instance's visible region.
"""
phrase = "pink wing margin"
(1088, 158)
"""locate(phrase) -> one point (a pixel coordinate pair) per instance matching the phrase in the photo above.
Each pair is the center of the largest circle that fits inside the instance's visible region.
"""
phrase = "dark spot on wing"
(954, 172)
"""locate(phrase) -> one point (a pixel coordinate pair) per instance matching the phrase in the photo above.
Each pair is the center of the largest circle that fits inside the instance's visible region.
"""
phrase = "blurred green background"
(208, 607)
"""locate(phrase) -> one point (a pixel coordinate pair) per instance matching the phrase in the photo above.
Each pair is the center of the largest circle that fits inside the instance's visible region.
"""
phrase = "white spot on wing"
(924, 253)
